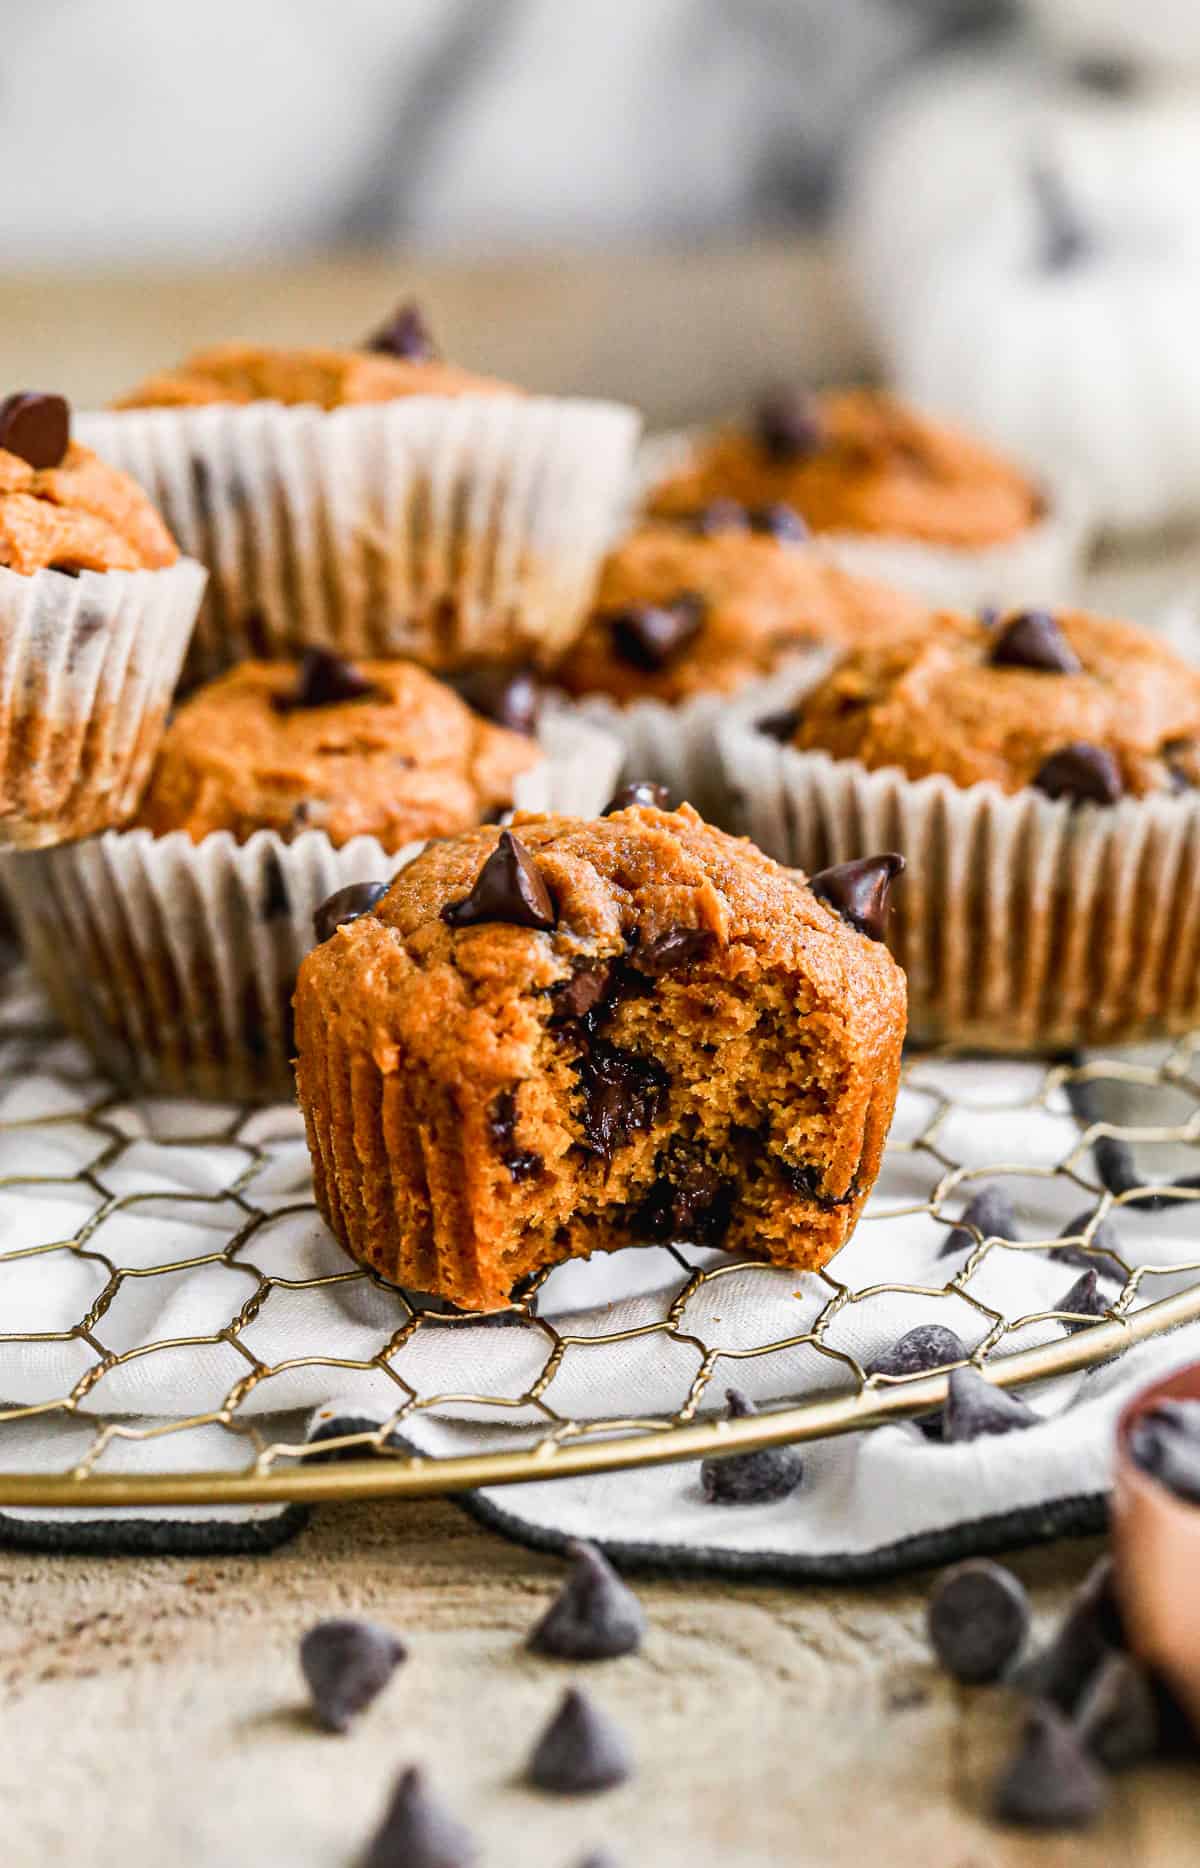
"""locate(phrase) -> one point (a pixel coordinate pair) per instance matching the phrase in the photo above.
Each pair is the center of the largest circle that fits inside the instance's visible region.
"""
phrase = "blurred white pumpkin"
(1150, 34)
(1028, 253)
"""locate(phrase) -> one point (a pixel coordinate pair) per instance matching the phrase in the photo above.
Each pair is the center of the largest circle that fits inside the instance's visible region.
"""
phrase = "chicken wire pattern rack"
(240, 1173)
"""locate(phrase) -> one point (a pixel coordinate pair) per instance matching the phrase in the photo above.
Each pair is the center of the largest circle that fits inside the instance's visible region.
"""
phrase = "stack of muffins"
(420, 608)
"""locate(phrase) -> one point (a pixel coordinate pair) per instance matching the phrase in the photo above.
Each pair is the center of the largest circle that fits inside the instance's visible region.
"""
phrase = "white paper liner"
(88, 664)
(677, 746)
(175, 962)
(1044, 565)
(1022, 923)
(443, 528)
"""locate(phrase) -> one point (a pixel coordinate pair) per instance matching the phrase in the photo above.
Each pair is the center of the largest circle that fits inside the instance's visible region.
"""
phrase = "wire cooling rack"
(72, 1144)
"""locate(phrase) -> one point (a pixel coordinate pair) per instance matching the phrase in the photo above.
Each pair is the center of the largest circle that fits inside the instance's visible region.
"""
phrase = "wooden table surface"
(153, 1714)
(151, 1711)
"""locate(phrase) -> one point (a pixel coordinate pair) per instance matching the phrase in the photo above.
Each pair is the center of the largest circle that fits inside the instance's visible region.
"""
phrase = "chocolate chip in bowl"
(1156, 1531)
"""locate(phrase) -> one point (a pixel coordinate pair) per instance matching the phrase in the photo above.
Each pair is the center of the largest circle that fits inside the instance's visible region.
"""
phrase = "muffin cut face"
(697, 1049)
(858, 460)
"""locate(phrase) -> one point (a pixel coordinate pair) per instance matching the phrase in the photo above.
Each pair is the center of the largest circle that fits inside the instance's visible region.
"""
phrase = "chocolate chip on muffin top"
(378, 748)
(857, 460)
(1081, 707)
(681, 612)
(62, 508)
(399, 359)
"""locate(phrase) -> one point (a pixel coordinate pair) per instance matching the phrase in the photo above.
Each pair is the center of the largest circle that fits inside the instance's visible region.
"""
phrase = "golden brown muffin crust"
(80, 515)
(933, 702)
(410, 760)
(473, 1115)
(762, 599)
(880, 467)
(329, 378)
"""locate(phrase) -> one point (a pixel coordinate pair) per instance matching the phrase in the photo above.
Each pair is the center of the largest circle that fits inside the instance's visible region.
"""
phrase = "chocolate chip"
(720, 515)
(346, 905)
(580, 994)
(858, 891)
(1034, 640)
(975, 1407)
(782, 725)
(67, 567)
(1050, 1783)
(622, 1096)
(1064, 241)
(1104, 1239)
(665, 952)
(1165, 1442)
(650, 636)
(788, 425)
(1084, 1298)
(510, 696)
(508, 888)
(1082, 773)
(581, 1750)
(595, 1616)
(275, 899)
(779, 521)
(419, 1832)
(978, 1620)
(1182, 760)
(690, 1202)
(405, 335)
(641, 791)
(599, 1858)
(989, 1213)
(757, 1478)
(324, 680)
(346, 1664)
(927, 1346)
(35, 427)
(1090, 1631)
(1118, 1716)
(1106, 74)
(502, 1122)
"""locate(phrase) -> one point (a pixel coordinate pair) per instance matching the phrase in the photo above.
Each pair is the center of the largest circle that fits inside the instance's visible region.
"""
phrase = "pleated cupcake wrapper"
(88, 665)
(1041, 567)
(677, 746)
(447, 529)
(175, 962)
(1022, 923)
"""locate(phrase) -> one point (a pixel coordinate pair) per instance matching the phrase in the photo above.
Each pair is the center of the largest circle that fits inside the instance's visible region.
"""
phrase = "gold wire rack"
(231, 1157)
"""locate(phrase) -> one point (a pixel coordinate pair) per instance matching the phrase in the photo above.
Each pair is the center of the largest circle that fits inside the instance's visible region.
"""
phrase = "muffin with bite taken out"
(576, 1035)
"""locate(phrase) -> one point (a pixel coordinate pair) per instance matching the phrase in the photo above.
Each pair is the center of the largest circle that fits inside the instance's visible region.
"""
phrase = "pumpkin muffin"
(707, 608)
(172, 948)
(891, 490)
(377, 749)
(1039, 773)
(375, 500)
(579, 1035)
(96, 608)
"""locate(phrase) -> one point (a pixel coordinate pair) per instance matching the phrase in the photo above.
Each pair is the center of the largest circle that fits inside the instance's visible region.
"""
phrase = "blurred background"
(668, 200)
(564, 183)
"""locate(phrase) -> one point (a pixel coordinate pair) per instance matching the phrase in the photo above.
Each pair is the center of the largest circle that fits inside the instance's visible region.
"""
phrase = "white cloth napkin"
(145, 1230)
